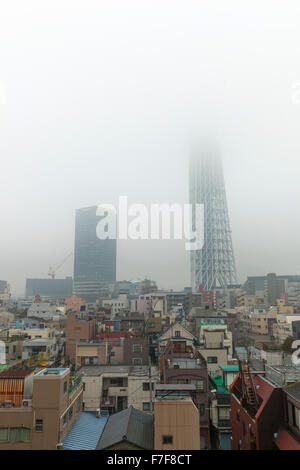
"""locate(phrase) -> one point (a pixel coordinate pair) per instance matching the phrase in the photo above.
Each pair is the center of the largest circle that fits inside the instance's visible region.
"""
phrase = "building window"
(3, 434)
(177, 334)
(167, 439)
(146, 406)
(137, 348)
(212, 360)
(202, 409)
(39, 425)
(64, 419)
(65, 387)
(137, 361)
(199, 384)
(70, 413)
(238, 417)
(14, 434)
(146, 386)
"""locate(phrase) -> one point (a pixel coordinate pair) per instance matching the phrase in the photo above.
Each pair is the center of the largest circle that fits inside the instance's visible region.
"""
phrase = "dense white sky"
(100, 98)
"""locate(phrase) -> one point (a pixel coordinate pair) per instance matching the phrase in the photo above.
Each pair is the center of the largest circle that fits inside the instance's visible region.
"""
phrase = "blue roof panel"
(85, 432)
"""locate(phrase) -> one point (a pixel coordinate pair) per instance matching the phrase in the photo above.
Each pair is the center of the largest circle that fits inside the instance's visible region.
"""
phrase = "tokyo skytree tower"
(214, 265)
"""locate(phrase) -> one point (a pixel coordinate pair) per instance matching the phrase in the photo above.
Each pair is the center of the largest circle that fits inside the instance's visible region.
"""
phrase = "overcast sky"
(100, 98)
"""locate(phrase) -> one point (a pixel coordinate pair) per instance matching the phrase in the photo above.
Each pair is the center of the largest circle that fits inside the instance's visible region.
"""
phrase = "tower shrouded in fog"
(214, 265)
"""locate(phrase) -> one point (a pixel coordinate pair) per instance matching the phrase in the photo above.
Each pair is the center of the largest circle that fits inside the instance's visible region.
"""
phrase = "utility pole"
(150, 386)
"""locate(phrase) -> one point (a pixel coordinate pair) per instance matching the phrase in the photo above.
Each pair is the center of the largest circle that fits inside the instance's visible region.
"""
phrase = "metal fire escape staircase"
(249, 394)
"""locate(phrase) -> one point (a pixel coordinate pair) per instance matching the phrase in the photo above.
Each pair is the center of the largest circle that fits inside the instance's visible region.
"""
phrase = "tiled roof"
(85, 432)
(131, 425)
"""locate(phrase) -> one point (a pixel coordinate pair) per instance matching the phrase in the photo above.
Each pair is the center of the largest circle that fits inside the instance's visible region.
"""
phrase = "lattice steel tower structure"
(213, 266)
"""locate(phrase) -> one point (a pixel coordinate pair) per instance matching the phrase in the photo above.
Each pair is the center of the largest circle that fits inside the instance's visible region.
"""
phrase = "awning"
(285, 441)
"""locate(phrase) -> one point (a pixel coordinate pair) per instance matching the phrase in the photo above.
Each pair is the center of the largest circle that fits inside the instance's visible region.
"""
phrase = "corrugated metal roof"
(85, 432)
(131, 425)
(15, 373)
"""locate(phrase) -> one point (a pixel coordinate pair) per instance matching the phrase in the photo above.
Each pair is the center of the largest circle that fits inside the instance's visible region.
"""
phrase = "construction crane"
(52, 271)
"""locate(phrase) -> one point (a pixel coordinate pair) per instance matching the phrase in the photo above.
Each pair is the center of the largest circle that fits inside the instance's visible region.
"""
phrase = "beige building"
(176, 331)
(39, 409)
(283, 329)
(32, 333)
(115, 388)
(216, 344)
(176, 425)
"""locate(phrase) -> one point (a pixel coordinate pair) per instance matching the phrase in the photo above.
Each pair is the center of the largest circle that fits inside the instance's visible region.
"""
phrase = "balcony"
(108, 402)
(15, 402)
(117, 391)
(224, 424)
(75, 384)
(223, 399)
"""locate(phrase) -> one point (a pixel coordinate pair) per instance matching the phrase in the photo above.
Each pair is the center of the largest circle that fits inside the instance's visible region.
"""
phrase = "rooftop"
(230, 368)
(15, 373)
(132, 425)
(85, 432)
(293, 391)
(53, 371)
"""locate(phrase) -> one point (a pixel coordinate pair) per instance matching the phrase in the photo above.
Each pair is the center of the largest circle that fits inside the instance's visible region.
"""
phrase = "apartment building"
(114, 388)
(5, 293)
(256, 412)
(284, 328)
(79, 328)
(287, 436)
(181, 363)
(176, 424)
(37, 409)
(215, 344)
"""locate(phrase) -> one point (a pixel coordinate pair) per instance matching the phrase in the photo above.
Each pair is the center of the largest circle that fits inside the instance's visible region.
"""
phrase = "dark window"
(202, 410)
(65, 387)
(137, 361)
(146, 406)
(39, 425)
(212, 359)
(70, 413)
(146, 386)
(177, 334)
(65, 419)
(167, 439)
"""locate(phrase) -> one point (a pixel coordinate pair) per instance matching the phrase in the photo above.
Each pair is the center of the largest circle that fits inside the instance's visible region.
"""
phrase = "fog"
(100, 99)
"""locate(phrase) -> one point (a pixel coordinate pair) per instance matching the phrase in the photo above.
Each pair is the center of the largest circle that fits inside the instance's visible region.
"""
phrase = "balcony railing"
(118, 391)
(108, 402)
(75, 385)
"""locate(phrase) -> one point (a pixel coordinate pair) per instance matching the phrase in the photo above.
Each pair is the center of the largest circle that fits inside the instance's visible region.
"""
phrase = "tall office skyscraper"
(212, 266)
(94, 259)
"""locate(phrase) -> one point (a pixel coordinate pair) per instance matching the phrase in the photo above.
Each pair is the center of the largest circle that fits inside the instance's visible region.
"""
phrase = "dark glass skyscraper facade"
(94, 259)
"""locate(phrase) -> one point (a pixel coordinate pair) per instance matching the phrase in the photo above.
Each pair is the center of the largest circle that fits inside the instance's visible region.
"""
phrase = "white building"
(44, 310)
(117, 305)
